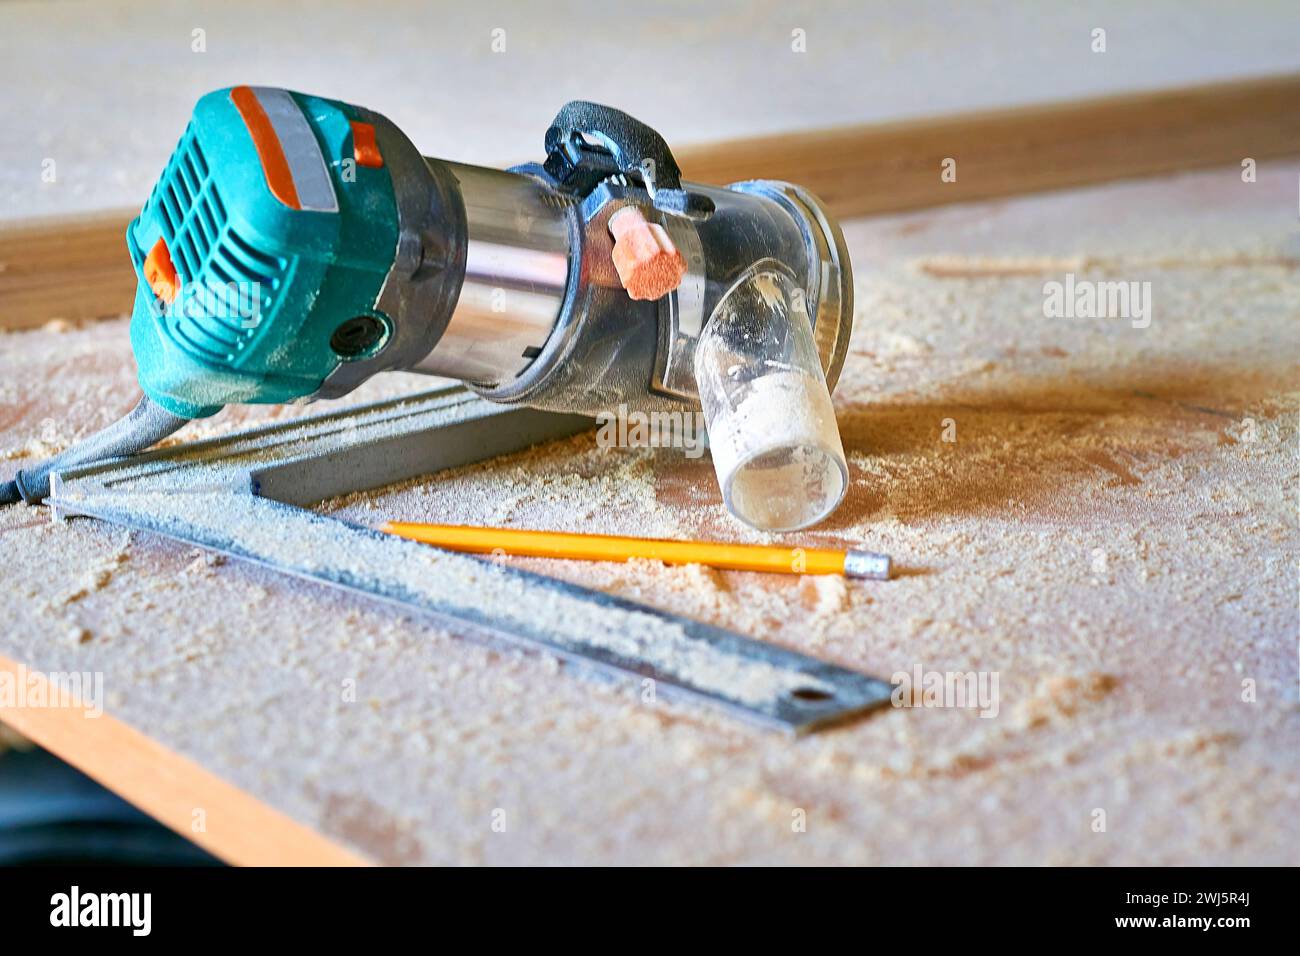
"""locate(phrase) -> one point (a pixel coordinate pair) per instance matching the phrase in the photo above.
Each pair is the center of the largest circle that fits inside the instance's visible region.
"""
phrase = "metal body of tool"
(295, 246)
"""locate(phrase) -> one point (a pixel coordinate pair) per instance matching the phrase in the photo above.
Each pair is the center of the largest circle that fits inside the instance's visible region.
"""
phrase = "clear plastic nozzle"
(772, 431)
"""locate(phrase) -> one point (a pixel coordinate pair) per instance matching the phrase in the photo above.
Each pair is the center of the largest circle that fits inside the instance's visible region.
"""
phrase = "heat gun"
(295, 246)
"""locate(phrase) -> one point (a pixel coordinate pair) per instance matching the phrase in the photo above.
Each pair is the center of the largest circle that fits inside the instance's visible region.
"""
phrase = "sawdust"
(204, 562)
(1112, 530)
(777, 452)
(825, 594)
(570, 484)
(1061, 696)
(97, 576)
(999, 267)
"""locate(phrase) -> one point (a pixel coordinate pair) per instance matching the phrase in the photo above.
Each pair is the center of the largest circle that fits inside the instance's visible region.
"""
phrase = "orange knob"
(648, 264)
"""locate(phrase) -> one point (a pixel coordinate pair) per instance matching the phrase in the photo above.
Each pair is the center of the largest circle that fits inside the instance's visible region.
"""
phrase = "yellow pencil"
(852, 563)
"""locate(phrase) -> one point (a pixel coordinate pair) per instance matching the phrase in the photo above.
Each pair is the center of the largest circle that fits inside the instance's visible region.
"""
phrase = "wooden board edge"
(237, 827)
(65, 268)
(75, 269)
(895, 167)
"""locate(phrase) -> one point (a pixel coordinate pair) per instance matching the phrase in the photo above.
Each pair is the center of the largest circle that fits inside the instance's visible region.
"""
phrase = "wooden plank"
(866, 170)
(76, 269)
(235, 826)
(70, 268)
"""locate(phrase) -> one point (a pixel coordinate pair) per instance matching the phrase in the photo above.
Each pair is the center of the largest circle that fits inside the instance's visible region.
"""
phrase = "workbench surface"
(1112, 532)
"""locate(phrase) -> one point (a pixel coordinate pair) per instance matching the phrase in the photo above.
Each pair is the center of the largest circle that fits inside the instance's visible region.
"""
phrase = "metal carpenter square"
(218, 494)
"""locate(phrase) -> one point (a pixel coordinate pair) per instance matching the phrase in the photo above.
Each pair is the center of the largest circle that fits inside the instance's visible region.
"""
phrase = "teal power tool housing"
(295, 246)
(260, 260)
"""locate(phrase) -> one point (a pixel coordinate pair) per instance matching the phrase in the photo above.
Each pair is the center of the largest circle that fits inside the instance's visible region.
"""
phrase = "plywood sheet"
(1109, 533)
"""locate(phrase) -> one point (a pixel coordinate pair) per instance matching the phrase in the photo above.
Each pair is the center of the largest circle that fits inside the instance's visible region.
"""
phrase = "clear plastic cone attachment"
(772, 430)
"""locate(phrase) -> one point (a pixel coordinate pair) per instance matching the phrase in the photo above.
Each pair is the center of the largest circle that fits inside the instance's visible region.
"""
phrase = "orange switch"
(160, 273)
(364, 148)
(648, 264)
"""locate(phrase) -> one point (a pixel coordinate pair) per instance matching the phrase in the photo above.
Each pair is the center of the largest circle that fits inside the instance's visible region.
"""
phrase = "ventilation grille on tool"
(229, 284)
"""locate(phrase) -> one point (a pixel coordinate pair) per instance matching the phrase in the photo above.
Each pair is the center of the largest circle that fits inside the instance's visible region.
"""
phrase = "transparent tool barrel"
(755, 334)
(607, 350)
